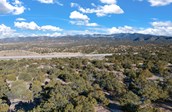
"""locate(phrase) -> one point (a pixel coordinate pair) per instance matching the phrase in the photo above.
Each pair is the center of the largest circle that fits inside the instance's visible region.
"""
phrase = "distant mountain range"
(95, 38)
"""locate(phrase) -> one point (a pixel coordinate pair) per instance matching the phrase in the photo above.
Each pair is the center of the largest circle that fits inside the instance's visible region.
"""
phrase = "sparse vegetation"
(135, 78)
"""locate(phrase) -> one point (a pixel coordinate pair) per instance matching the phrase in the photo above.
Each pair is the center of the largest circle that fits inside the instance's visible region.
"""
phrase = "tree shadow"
(166, 105)
(114, 107)
(27, 106)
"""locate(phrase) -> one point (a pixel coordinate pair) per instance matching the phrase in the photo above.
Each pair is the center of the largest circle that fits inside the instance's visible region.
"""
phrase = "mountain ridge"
(130, 37)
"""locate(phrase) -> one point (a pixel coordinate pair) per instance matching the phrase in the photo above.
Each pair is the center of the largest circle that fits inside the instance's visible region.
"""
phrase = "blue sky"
(70, 17)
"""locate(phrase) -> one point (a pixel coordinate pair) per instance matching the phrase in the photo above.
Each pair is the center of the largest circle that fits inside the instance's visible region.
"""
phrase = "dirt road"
(59, 55)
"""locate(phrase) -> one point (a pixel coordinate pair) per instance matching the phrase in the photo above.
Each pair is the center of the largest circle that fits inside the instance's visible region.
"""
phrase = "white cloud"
(33, 26)
(103, 10)
(160, 2)
(50, 2)
(55, 34)
(158, 28)
(28, 26)
(83, 23)
(74, 4)
(20, 19)
(17, 2)
(50, 28)
(92, 24)
(78, 16)
(80, 32)
(108, 1)
(125, 29)
(6, 31)
(109, 7)
(78, 22)
(156, 3)
(14, 8)
(80, 19)
(46, 1)
(161, 24)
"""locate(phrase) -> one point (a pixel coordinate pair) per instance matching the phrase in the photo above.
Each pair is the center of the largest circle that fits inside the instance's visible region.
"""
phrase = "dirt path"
(59, 55)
